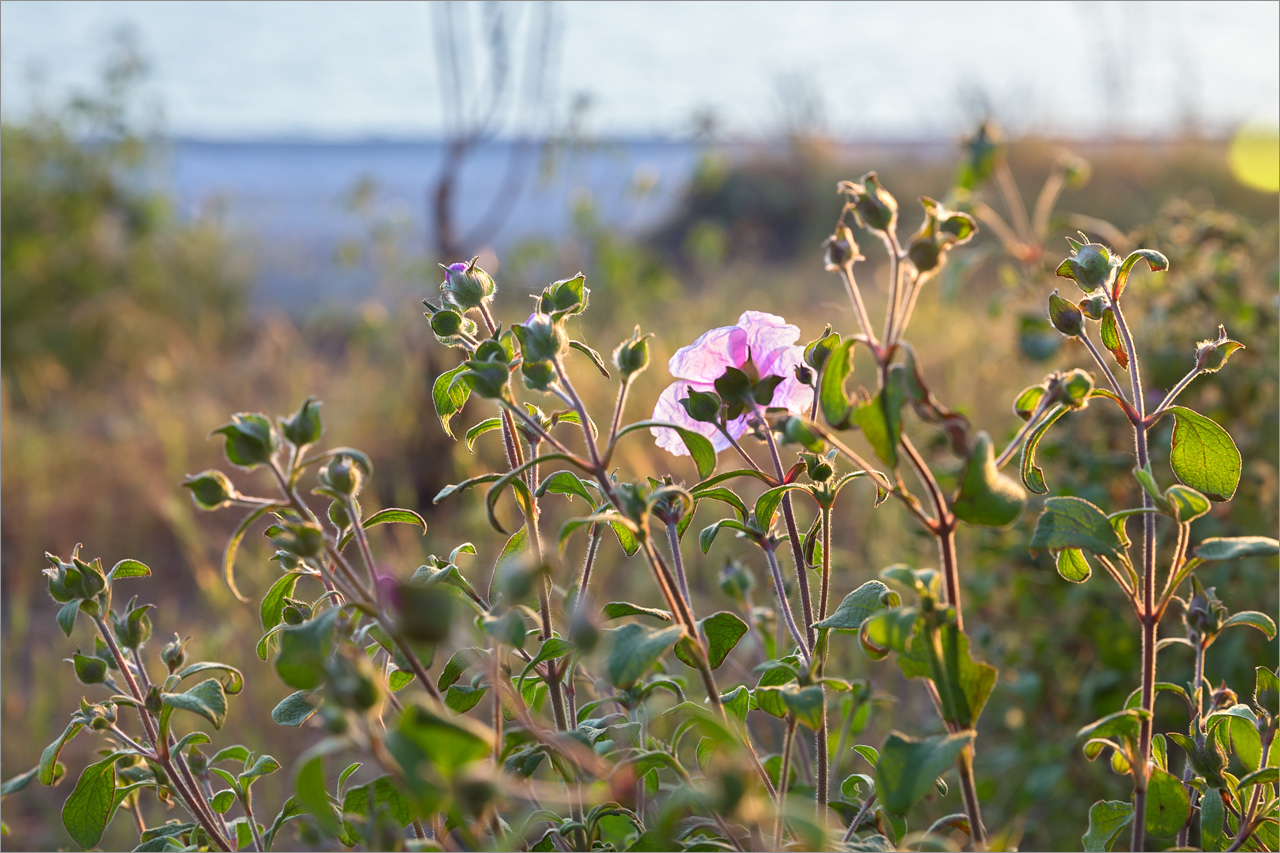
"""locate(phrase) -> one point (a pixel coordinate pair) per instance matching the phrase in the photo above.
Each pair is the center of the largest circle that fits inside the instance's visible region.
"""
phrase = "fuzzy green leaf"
(1203, 456)
(908, 766)
(1069, 522)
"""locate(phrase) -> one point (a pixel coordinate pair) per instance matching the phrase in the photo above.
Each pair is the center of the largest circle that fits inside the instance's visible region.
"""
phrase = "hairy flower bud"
(1090, 266)
(1066, 318)
(632, 355)
(840, 249)
(343, 475)
(174, 653)
(874, 207)
(541, 338)
(466, 286)
(211, 489)
(303, 426)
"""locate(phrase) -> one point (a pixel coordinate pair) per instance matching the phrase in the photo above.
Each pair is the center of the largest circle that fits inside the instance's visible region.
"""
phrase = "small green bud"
(154, 702)
(541, 338)
(1093, 307)
(134, 628)
(817, 467)
(736, 580)
(632, 355)
(1072, 388)
(1205, 613)
(796, 431)
(941, 230)
(1224, 697)
(93, 579)
(339, 516)
(1066, 318)
(1211, 356)
(296, 612)
(1090, 266)
(174, 653)
(488, 371)
(198, 761)
(633, 500)
(565, 297)
(211, 489)
(303, 427)
(251, 440)
(343, 475)
(817, 352)
(466, 286)
(538, 375)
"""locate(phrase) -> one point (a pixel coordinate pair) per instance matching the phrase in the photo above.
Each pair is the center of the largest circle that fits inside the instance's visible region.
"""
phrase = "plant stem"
(1197, 697)
(1013, 445)
(783, 777)
(253, 824)
(784, 606)
(1149, 616)
(673, 536)
(1177, 389)
(857, 819)
(855, 296)
(820, 742)
(1102, 364)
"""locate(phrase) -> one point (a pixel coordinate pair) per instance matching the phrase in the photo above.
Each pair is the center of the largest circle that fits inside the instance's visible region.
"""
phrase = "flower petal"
(669, 409)
(766, 333)
(790, 394)
(705, 359)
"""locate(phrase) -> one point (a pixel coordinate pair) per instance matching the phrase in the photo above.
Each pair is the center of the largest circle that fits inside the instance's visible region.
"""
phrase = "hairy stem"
(785, 772)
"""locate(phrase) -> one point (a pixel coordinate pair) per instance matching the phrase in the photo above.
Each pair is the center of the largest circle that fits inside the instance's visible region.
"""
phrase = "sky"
(341, 70)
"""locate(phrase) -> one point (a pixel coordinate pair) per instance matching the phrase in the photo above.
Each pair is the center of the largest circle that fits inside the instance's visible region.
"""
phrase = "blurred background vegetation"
(128, 334)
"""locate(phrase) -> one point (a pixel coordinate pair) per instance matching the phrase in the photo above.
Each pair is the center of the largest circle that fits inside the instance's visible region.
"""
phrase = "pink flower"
(770, 343)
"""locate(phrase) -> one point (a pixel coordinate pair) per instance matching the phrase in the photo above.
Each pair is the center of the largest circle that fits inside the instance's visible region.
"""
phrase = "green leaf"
(233, 545)
(968, 683)
(1032, 475)
(1156, 262)
(737, 701)
(1211, 835)
(1167, 805)
(379, 792)
(632, 649)
(553, 648)
(591, 354)
(1186, 504)
(724, 495)
(723, 630)
(618, 609)
(67, 616)
(272, 609)
(832, 396)
(294, 709)
(91, 805)
(806, 703)
(1253, 619)
(908, 766)
(449, 398)
(448, 744)
(480, 429)
(1111, 339)
(860, 605)
(309, 786)
(1073, 565)
(767, 503)
(564, 483)
(699, 447)
(233, 683)
(454, 488)
(880, 419)
(128, 569)
(987, 497)
(304, 649)
(223, 800)
(17, 783)
(709, 533)
(888, 630)
(1237, 547)
(1202, 455)
(1069, 522)
(461, 698)
(397, 516)
(208, 699)
(1106, 819)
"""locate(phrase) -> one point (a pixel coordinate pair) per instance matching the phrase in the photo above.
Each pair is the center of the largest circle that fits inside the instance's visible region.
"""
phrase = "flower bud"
(134, 628)
(538, 375)
(541, 338)
(295, 612)
(1224, 697)
(343, 475)
(1205, 613)
(565, 297)
(736, 580)
(211, 489)
(339, 516)
(466, 286)
(1066, 318)
(632, 355)
(817, 467)
(1211, 356)
(873, 206)
(1090, 266)
(303, 427)
(840, 249)
(251, 440)
(174, 654)
(154, 701)
(488, 371)
(1093, 307)
(1072, 388)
